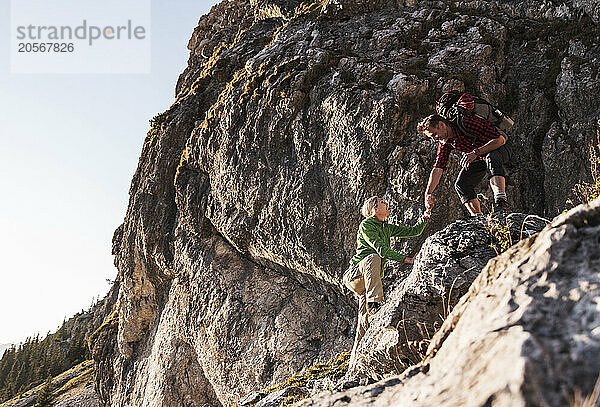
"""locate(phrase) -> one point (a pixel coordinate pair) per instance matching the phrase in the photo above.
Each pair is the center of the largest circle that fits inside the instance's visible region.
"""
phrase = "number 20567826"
(46, 47)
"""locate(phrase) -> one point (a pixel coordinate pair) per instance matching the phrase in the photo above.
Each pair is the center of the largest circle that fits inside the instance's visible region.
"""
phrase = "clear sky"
(70, 144)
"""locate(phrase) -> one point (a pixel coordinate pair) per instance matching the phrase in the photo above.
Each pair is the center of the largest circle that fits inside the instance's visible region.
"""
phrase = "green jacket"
(374, 237)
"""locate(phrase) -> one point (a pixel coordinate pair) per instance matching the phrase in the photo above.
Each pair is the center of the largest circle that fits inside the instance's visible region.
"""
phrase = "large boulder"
(527, 333)
(444, 269)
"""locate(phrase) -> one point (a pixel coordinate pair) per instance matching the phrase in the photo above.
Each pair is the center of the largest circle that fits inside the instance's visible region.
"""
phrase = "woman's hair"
(368, 208)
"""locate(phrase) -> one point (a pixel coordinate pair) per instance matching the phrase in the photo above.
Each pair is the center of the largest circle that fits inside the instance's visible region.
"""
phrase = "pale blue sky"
(69, 147)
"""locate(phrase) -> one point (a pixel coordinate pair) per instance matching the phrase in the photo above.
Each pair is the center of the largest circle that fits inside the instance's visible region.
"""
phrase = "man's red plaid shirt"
(481, 132)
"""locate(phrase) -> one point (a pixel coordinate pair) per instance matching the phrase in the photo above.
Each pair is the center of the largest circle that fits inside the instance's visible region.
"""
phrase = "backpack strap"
(461, 126)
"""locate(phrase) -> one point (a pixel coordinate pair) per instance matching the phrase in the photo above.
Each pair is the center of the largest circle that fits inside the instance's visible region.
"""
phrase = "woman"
(372, 251)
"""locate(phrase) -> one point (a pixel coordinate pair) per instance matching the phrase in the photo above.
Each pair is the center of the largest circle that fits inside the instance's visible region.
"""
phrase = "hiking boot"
(373, 307)
(500, 205)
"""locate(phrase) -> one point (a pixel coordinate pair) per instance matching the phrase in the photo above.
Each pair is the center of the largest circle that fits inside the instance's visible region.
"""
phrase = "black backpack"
(454, 105)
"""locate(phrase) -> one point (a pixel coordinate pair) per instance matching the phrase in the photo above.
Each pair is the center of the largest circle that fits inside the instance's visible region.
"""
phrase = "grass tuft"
(335, 368)
(156, 125)
(585, 192)
(111, 320)
(591, 400)
(500, 233)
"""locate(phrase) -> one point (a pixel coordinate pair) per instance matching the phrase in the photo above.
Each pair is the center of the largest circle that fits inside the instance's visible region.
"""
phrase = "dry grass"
(335, 368)
(500, 232)
(585, 192)
(418, 349)
(591, 400)
(111, 320)
(415, 352)
(86, 376)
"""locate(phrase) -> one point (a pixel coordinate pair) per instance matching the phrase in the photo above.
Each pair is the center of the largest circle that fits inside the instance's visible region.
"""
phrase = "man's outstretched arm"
(434, 180)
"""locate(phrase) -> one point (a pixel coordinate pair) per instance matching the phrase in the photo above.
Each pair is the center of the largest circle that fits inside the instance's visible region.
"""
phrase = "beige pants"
(364, 280)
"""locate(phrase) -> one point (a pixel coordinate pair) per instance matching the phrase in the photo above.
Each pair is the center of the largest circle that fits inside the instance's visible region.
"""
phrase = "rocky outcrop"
(525, 334)
(244, 207)
(447, 264)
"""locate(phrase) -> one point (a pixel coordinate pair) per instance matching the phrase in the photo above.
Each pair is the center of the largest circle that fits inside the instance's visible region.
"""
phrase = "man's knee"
(463, 189)
(495, 163)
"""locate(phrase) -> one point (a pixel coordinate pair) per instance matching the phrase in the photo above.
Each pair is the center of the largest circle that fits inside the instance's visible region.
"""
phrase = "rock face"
(244, 207)
(230, 325)
(526, 334)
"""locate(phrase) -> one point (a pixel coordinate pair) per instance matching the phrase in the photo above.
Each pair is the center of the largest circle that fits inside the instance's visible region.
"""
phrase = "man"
(484, 150)
(363, 277)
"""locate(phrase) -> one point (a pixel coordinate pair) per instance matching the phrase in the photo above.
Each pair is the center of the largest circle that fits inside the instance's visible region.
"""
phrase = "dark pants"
(468, 177)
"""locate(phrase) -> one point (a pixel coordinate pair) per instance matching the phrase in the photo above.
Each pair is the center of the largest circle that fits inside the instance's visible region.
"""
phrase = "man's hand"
(434, 179)
(429, 202)
(408, 260)
(468, 159)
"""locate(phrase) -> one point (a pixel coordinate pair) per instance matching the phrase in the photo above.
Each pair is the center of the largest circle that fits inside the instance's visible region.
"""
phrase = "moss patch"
(335, 368)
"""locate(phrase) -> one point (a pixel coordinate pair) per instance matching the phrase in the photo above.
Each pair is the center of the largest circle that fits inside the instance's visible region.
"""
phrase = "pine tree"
(27, 365)
(44, 397)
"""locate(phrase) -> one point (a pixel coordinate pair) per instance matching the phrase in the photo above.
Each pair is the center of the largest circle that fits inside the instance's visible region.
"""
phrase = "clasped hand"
(429, 201)
(467, 159)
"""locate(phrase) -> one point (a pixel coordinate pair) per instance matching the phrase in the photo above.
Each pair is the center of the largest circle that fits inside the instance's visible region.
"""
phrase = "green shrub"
(155, 125)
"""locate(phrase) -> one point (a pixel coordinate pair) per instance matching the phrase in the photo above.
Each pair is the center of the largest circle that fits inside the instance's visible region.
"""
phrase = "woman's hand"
(427, 213)
(408, 260)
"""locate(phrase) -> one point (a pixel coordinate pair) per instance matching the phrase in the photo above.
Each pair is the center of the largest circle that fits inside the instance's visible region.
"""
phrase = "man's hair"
(430, 122)
(368, 208)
